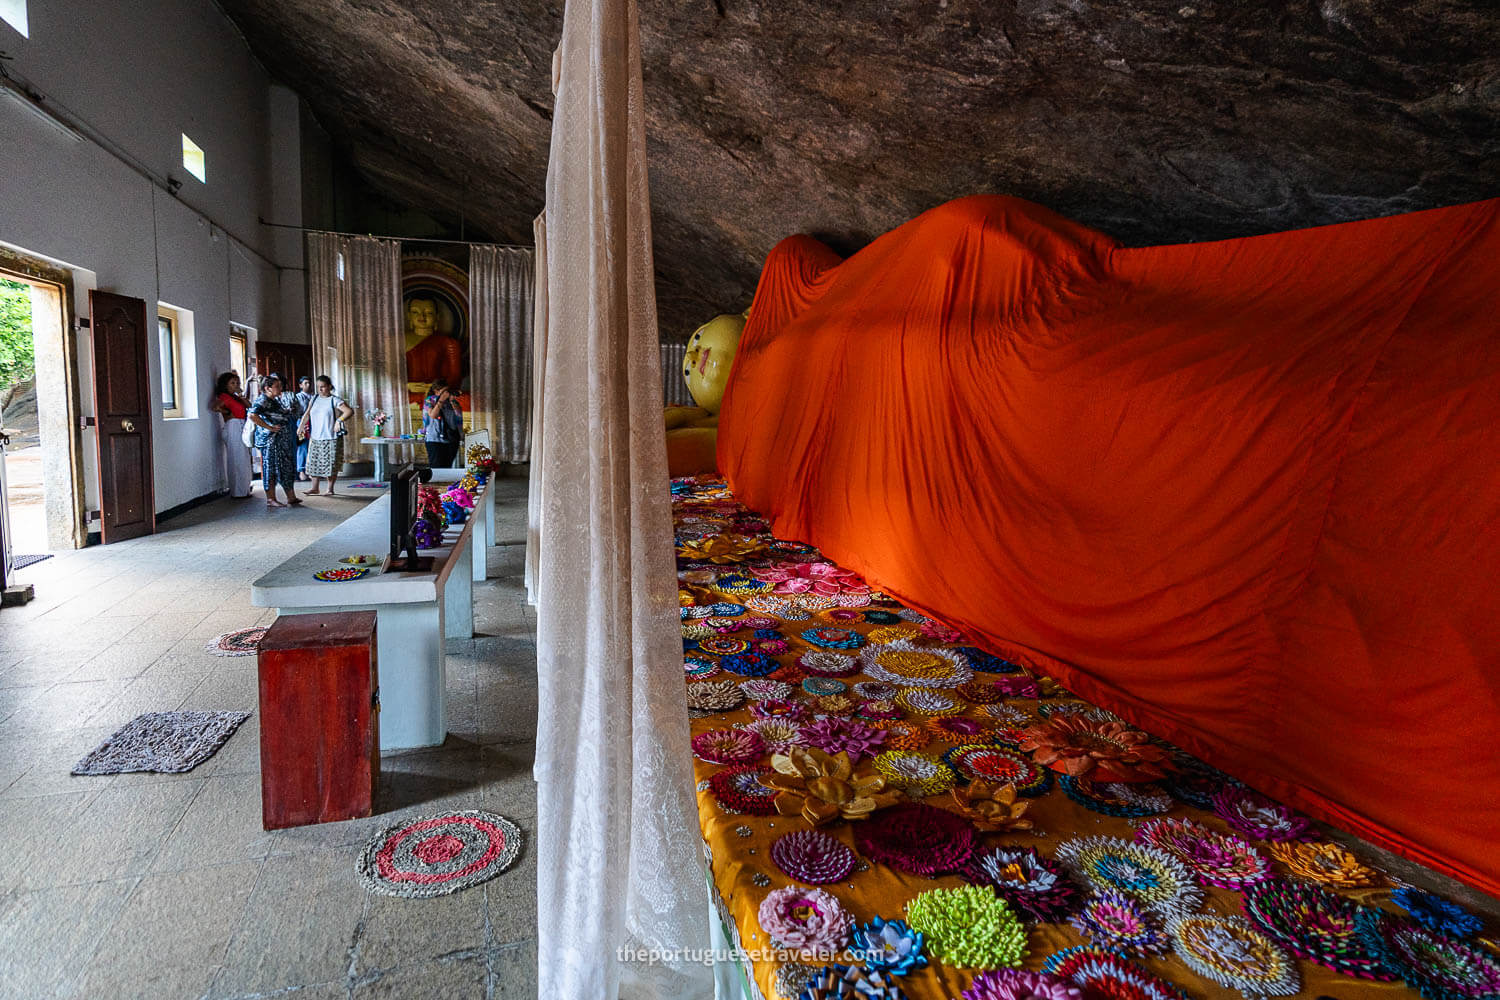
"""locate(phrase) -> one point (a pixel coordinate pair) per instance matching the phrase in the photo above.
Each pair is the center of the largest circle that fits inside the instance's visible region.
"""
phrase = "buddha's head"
(710, 355)
(421, 316)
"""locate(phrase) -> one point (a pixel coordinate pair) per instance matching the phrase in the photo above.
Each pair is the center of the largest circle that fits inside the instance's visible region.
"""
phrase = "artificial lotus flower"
(993, 806)
(721, 549)
(692, 597)
(460, 496)
(1083, 747)
(714, 696)
(934, 629)
(1327, 863)
(850, 982)
(889, 946)
(807, 920)
(1019, 984)
(821, 787)
(1439, 915)
(812, 577)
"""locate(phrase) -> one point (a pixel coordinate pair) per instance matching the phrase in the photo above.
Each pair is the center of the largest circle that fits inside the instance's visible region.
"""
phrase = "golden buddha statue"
(430, 354)
(693, 431)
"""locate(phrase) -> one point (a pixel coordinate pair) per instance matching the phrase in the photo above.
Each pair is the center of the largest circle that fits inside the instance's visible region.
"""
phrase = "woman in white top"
(323, 424)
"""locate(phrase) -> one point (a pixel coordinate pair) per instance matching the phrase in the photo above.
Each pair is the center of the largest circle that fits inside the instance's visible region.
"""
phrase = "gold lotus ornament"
(993, 805)
(721, 548)
(821, 787)
(1050, 688)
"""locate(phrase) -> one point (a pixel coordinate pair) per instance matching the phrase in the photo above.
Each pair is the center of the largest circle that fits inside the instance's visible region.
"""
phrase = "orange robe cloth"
(1244, 493)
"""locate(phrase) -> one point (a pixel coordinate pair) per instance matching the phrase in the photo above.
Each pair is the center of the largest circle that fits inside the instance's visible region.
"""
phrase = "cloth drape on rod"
(619, 864)
(674, 386)
(538, 367)
(354, 315)
(501, 300)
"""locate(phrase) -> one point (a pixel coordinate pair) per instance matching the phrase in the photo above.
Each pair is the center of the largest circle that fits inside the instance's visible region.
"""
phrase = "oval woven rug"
(240, 642)
(439, 854)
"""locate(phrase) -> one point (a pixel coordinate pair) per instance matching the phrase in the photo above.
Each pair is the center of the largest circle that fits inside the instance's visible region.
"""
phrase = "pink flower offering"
(808, 920)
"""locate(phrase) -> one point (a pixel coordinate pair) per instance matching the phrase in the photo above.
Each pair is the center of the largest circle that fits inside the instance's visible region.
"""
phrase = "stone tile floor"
(165, 886)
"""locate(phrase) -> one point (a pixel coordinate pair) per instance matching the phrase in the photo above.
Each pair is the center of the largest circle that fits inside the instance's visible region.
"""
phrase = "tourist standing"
(442, 425)
(275, 436)
(229, 404)
(323, 428)
(305, 396)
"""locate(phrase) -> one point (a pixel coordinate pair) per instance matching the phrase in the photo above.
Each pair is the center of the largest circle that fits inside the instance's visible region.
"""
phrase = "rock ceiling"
(1152, 121)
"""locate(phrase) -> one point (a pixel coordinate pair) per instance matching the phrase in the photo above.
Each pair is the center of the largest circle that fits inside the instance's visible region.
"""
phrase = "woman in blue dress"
(276, 437)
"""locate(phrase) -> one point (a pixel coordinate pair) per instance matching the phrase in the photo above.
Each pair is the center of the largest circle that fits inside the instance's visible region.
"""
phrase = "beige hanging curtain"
(501, 302)
(619, 856)
(538, 368)
(354, 314)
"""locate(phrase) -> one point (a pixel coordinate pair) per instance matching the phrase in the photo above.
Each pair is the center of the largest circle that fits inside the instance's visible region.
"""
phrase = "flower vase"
(378, 429)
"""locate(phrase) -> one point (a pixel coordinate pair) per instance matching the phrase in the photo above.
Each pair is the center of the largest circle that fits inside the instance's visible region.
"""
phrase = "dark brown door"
(290, 361)
(122, 412)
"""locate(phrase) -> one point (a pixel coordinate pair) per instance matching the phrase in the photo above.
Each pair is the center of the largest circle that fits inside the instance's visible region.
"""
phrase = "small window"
(193, 160)
(177, 361)
(170, 351)
(238, 351)
(13, 13)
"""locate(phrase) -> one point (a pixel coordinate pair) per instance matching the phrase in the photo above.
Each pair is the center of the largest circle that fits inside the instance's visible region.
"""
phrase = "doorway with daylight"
(41, 476)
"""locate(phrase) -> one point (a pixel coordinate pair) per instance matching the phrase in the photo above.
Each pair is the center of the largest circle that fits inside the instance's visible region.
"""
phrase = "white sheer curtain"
(354, 314)
(538, 369)
(619, 854)
(501, 302)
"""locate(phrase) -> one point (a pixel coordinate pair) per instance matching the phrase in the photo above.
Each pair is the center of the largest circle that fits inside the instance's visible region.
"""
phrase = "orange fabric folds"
(1244, 493)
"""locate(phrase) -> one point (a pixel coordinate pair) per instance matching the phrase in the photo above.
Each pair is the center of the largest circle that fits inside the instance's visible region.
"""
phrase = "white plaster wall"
(286, 207)
(136, 76)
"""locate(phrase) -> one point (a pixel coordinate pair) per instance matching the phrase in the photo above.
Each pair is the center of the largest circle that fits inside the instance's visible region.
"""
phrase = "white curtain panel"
(619, 856)
(674, 385)
(501, 303)
(538, 369)
(355, 316)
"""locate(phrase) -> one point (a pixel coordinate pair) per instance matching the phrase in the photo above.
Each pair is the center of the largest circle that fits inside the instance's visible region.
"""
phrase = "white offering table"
(415, 612)
(379, 446)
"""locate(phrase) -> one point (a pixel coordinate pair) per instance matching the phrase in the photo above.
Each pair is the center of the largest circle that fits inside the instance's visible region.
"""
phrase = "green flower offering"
(969, 927)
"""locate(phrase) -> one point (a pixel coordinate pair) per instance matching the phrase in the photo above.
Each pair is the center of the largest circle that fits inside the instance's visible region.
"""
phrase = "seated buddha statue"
(430, 355)
(693, 431)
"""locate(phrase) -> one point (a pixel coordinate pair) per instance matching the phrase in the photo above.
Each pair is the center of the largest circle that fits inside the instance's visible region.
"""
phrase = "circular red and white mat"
(439, 854)
(240, 642)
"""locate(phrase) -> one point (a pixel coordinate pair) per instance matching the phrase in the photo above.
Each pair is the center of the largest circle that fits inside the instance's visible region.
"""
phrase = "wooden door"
(123, 410)
(290, 361)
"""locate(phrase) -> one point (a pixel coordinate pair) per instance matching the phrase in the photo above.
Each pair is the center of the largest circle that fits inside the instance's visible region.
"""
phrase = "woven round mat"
(240, 642)
(439, 854)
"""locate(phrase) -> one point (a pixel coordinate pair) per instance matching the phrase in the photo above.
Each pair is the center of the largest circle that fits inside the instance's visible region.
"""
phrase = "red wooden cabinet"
(319, 719)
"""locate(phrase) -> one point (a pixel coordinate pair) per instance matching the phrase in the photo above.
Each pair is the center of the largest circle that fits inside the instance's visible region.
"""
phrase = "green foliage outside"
(17, 355)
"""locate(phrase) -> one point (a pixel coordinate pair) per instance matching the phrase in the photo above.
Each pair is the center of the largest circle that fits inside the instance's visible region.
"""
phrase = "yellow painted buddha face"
(710, 355)
(421, 317)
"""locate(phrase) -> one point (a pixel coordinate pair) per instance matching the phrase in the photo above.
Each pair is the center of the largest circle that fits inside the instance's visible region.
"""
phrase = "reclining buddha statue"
(1241, 493)
(693, 431)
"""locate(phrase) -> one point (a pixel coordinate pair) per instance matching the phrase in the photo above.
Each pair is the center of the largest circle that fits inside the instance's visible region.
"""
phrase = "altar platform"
(876, 790)
(416, 612)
